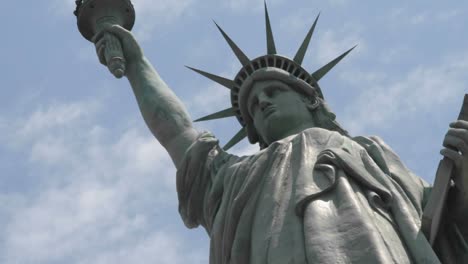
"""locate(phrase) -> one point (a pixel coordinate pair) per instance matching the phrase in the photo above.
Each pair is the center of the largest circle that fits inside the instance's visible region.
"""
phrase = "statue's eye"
(274, 90)
(277, 90)
(253, 104)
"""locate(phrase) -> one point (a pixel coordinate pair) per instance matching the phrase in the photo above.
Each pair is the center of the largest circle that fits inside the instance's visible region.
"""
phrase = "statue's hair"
(326, 118)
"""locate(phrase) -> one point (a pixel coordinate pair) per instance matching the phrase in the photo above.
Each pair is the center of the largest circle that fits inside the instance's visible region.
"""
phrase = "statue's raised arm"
(163, 112)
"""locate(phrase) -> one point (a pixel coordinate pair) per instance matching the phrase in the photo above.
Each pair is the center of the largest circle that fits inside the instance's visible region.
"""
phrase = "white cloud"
(327, 44)
(386, 99)
(62, 8)
(238, 5)
(159, 247)
(149, 14)
(248, 5)
(338, 3)
(298, 23)
(333, 43)
(153, 14)
(100, 198)
(418, 19)
(399, 17)
(54, 116)
(213, 97)
(392, 55)
(294, 24)
(446, 15)
(50, 151)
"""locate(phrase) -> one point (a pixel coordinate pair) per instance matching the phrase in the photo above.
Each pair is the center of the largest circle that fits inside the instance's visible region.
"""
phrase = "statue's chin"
(279, 125)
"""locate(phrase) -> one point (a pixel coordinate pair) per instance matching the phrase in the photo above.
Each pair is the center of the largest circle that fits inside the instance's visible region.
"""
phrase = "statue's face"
(277, 110)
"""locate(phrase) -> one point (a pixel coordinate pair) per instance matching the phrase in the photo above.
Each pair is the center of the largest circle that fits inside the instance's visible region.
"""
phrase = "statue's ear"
(312, 103)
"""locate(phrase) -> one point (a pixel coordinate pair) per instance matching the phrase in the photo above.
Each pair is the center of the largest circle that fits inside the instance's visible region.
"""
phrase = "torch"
(95, 15)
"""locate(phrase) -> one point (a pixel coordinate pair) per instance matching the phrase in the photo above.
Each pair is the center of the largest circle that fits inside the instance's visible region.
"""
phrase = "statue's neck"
(298, 128)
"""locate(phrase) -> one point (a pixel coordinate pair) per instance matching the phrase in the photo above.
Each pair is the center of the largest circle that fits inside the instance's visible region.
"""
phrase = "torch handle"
(114, 56)
(435, 207)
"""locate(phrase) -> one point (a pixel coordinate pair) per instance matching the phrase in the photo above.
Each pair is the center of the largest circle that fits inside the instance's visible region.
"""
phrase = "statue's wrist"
(135, 65)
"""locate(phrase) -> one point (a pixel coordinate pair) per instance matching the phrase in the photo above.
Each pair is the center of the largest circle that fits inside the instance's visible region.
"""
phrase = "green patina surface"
(313, 193)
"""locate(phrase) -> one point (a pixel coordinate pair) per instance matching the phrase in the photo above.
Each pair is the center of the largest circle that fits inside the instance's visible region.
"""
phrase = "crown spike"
(244, 60)
(318, 74)
(236, 139)
(299, 57)
(271, 48)
(218, 115)
(221, 80)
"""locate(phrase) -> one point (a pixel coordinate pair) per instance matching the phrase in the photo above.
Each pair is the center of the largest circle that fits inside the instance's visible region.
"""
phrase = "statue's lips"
(268, 111)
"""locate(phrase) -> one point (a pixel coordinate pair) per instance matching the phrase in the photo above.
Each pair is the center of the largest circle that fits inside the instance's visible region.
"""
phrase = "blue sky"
(83, 180)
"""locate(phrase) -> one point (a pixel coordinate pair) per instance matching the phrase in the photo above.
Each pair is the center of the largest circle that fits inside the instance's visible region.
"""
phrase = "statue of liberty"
(312, 193)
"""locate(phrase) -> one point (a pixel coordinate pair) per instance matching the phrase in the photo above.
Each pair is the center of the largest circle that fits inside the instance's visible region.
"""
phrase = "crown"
(280, 67)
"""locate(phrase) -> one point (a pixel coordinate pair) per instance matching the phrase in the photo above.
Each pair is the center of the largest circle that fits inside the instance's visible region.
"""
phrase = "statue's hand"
(456, 149)
(130, 47)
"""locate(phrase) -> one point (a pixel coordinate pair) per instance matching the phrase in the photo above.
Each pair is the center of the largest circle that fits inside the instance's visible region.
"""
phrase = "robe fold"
(314, 197)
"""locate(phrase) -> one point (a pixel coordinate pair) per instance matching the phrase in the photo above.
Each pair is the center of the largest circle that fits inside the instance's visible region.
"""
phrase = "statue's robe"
(314, 197)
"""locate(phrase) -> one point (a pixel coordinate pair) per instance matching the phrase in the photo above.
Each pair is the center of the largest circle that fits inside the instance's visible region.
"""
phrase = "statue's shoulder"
(369, 140)
(374, 143)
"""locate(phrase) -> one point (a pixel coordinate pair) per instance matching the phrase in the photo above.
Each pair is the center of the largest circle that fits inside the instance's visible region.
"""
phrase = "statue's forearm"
(163, 112)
